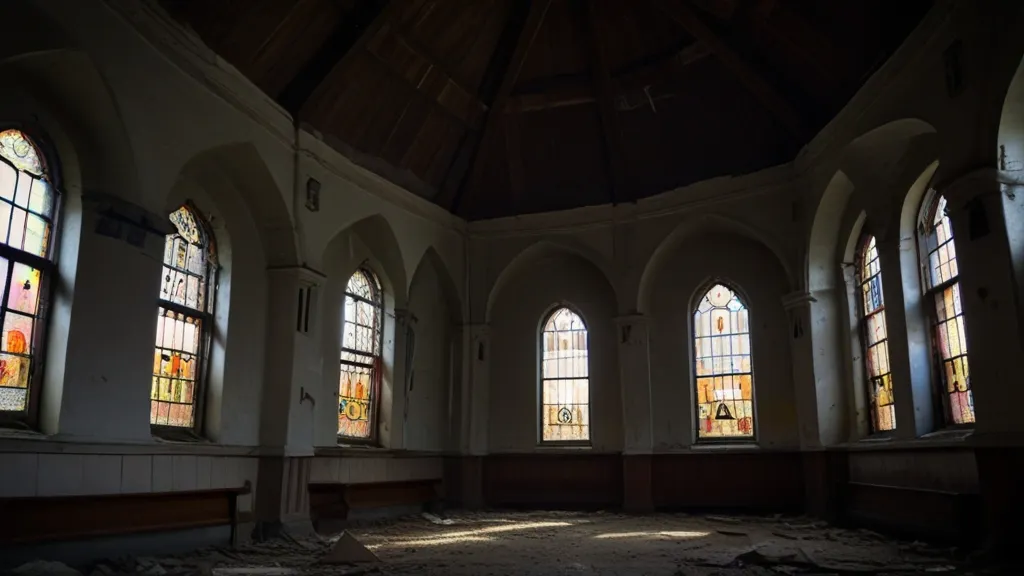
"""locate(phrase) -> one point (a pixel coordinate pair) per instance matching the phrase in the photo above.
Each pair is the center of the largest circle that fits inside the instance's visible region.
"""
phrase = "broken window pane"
(359, 386)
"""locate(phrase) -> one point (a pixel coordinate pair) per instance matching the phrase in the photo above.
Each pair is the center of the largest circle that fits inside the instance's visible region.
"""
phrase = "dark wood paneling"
(754, 481)
(335, 501)
(553, 481)
(26, 520)
(1001, 475)
(915, 512)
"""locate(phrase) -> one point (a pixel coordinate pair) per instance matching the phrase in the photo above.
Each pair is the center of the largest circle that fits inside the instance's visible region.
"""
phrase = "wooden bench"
(338, 502)
(916, 512)
(63, 518)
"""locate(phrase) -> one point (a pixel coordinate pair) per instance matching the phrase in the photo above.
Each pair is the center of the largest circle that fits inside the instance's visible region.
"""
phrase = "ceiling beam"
(558, 92)
(680, 12)
(605, 91)
(502, 72)
(348, 39)
(410, 61)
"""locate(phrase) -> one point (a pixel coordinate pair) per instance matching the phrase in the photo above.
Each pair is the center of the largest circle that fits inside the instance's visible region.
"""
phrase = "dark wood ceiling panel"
(560, 48)
(500, 107)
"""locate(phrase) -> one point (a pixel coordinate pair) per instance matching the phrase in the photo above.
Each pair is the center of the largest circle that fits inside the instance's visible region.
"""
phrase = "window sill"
(949, 438)
(357, 451)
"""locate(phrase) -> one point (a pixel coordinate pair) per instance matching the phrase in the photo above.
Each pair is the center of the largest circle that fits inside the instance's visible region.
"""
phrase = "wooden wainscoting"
(47, 519)
(756, 481)
(915, 512)
(584, 481)
(335, 501)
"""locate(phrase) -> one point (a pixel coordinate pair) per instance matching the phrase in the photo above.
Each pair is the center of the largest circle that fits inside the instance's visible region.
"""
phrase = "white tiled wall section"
(332, 469)
(24, 474)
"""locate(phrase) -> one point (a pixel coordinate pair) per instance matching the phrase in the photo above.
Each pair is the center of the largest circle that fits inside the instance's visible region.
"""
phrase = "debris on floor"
(546, 543)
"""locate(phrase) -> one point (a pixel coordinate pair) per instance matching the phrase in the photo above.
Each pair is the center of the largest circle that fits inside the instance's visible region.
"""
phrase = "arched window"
(361, 372)
(28, 206)
(949, 337)
(184, 322)
(875, 333)
(724, 372)
(565, 379)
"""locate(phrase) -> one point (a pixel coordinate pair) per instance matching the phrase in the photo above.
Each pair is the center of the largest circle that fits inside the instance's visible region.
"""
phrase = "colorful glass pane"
(950, 333)
(360, 356)
(17, 149)
(565, 378)
(724, 373)
(180, 349)
(876, 339)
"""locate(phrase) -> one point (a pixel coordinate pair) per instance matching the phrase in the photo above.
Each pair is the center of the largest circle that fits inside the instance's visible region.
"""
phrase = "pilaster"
(633, 333)
(798, 308)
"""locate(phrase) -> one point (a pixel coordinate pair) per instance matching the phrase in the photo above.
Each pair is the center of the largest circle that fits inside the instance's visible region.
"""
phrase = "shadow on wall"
(550, 275)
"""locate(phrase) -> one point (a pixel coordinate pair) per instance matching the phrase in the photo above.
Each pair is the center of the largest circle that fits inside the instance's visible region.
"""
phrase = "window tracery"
(28, 200)
(875, 334)
(184, 322)
(723, 366)
(949, 336)
(361, 370)
(565, 378)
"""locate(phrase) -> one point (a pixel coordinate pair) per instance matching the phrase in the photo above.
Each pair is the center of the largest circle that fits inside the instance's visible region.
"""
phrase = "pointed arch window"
(565, 378)
(361, 341)
(723, 366)
(949, 337)
(874, 332)
(28, 212)
(184, 324)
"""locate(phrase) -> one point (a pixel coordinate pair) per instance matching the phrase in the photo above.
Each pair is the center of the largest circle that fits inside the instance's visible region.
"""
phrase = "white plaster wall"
(518, 310)
(427, 403)
(678, 285)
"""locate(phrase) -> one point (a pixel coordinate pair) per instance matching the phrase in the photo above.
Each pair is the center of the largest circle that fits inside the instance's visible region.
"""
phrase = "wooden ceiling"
(499, 107)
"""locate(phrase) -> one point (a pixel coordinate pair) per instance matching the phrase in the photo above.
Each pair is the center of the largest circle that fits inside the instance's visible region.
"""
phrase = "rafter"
(500, 77)
(348, 39)
(680, 12)
(605, 92)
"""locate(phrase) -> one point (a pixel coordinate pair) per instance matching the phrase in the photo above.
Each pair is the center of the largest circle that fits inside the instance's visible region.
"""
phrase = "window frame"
(47, 267)
(926, 230)
(862, 330)
(699, 296)
(545, 318)
(206, 316)
(376, 380)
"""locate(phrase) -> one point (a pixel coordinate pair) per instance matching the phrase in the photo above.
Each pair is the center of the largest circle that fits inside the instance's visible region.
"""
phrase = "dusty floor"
(557, 543)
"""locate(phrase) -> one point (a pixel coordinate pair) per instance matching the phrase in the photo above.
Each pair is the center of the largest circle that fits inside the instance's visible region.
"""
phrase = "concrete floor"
(569, 543)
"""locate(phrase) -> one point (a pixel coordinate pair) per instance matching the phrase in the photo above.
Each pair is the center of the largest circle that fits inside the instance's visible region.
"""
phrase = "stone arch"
(448, 287)
(542, 249)
(710, 223)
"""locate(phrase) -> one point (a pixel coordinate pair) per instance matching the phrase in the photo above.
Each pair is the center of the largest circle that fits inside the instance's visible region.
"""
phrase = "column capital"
(797, 299)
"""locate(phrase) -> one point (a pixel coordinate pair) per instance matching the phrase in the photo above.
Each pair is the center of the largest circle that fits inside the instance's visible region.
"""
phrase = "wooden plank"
(605, 91)
(506, 65)
(680, 12)
(350, 37)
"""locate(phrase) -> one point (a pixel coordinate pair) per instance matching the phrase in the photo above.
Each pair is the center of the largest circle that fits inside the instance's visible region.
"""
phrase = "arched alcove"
(553, 276)
(433, 404)
(368, 243)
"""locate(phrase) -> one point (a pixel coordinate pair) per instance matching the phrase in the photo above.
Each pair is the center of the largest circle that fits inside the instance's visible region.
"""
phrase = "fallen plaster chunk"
(437, 520)
(348, 550)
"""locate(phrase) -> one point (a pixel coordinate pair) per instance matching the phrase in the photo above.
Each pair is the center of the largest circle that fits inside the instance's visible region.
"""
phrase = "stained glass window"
(565, 378)
(360, 357)
(876, 338)
(724, 372)
(949, 337)
(184, 322)
(27, 211)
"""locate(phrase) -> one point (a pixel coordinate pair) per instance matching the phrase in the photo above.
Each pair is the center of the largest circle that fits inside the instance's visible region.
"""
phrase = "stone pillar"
(798, 307)
(635, 385)
(392, 433)
(290, 392)
(464, 471)
(986, 209)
